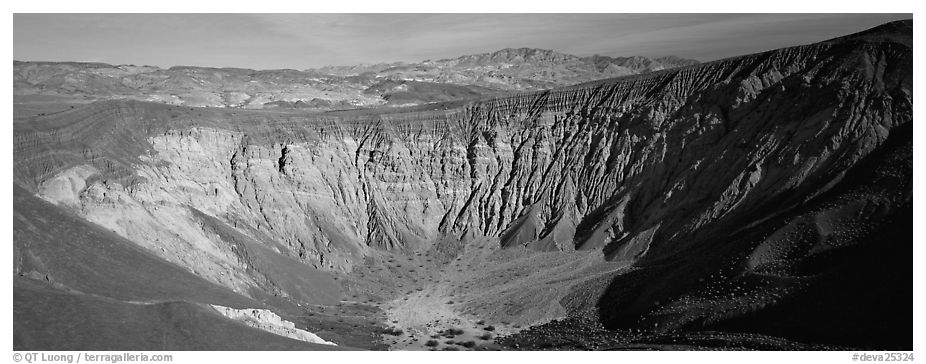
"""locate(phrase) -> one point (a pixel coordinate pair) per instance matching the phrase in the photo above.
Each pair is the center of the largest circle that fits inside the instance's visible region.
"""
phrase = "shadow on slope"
(835, 271)
(298, 280)
(48, 319)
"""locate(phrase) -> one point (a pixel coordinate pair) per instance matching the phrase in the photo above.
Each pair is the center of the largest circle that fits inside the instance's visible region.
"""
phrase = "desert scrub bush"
(489, 328)
(469, 344)
(486, 336)
(431, 343)
(394, 331)
(454, 331)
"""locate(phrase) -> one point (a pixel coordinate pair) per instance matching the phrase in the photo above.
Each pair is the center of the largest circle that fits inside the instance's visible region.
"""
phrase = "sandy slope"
(486, 286)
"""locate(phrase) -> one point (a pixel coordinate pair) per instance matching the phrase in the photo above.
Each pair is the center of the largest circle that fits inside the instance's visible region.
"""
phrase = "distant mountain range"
(325, 88)
(514, 69)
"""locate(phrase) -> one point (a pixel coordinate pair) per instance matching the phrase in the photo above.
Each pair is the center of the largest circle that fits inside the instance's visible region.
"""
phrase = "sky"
(301, 41)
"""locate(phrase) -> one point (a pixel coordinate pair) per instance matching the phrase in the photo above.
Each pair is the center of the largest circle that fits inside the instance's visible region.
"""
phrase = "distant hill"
(326, 88)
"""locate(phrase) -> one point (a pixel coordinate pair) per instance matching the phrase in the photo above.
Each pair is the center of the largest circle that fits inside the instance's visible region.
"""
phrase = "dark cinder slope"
(45, 318)
(825, 261)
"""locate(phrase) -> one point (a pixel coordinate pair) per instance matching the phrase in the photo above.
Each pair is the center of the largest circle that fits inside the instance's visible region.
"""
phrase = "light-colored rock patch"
(66, 187)
(270, 322)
